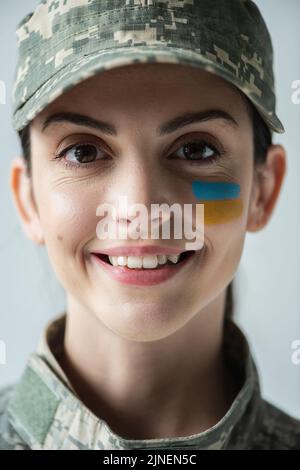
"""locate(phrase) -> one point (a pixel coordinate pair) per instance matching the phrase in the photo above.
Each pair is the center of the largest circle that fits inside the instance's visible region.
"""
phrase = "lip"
(140, 250)
(145, 277)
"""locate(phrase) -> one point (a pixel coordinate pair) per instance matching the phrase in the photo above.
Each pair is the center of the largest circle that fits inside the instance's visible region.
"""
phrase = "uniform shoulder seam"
(278, 429)
(5, 394)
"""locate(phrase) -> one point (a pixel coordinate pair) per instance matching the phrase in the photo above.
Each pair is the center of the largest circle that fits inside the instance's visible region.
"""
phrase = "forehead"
(154, 87)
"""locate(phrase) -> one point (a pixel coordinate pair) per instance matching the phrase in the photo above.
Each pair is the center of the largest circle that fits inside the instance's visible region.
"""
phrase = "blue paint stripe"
(214, 190)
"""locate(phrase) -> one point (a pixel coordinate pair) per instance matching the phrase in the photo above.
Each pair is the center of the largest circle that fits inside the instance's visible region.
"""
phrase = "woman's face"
(136, 163)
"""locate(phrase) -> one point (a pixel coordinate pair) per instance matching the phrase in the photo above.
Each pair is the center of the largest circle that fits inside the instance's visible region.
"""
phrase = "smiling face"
(141, 157)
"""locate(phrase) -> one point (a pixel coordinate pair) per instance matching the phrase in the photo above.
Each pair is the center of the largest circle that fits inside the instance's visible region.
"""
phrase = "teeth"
(173, 258)
(162, 259)
(143, 262)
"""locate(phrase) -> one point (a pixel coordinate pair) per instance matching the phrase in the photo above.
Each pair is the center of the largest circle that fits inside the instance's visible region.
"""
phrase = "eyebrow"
(166, 128)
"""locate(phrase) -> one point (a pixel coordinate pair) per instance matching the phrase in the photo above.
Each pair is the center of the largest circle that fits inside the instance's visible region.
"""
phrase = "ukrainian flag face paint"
(222, 202)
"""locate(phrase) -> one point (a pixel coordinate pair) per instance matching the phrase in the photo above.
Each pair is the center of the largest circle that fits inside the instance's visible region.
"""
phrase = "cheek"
(69, 217)
(222, 201)
(225, 218)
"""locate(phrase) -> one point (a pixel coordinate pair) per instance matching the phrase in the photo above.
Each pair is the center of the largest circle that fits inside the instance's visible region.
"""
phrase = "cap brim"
(92, 64)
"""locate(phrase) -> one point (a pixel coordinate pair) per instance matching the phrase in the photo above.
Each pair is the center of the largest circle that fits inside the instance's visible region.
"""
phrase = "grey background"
(267, 284)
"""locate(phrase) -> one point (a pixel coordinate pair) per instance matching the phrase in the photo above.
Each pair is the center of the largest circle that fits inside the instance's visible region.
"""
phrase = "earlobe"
(22, 192)
(268, 179)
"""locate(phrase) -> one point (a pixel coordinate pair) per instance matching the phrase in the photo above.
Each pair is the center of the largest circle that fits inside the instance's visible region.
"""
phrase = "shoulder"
(277, 429)
(9, 438)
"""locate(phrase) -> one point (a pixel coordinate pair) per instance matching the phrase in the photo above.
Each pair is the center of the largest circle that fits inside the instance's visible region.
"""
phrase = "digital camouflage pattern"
(66, 41)
(42, 411)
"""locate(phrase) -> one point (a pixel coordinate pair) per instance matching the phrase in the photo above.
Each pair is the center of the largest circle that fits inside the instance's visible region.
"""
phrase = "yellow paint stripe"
(220, 212)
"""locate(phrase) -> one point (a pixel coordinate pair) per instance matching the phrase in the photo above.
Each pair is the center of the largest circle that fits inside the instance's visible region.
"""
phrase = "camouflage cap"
(66, 41)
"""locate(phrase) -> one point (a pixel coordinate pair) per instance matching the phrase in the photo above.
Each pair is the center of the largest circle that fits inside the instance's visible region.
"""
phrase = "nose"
(139, 186)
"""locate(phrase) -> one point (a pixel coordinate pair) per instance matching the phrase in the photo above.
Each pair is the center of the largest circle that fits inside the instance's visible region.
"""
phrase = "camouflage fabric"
(42, 411)
(66, 41)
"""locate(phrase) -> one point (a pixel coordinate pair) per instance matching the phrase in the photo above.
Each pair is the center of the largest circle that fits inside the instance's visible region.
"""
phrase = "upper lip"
(139, 250)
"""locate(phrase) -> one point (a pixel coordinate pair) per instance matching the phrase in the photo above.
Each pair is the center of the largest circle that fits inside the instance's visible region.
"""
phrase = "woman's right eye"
(81, 154)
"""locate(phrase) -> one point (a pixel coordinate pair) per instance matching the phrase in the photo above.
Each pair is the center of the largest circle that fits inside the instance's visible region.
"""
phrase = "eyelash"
(201, 142)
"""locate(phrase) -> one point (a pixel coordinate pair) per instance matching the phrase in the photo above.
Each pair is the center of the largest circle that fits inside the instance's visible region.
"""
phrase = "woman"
(146, 354)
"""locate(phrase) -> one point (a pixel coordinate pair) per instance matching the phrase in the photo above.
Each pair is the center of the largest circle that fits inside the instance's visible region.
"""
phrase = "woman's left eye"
(206, 152)
(80, 154)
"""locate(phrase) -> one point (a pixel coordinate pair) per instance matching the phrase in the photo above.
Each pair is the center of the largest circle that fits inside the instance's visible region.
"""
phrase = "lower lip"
(143, 277)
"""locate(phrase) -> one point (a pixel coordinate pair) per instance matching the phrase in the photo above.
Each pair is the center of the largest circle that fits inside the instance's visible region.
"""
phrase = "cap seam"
(105, 13)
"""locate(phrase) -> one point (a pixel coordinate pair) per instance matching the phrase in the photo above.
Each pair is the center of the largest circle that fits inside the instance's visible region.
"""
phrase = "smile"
(143, 270)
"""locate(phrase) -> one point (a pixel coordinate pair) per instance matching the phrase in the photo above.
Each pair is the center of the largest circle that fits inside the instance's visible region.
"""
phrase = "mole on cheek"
(59, 237)
(222, 202)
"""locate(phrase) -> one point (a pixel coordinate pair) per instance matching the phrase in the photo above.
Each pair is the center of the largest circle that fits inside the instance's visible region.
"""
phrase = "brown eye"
(82, 153)
(198, 150)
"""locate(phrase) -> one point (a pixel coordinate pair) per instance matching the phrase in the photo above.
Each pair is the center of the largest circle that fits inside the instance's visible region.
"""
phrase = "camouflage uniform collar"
(50, 347)
(47, 414)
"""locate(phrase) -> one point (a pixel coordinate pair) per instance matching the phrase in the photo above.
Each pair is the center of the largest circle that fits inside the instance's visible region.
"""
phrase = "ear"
(266, 187)
(22, 192)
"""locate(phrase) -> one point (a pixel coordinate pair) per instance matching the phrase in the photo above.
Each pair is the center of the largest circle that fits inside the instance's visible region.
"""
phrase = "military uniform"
(43, 411)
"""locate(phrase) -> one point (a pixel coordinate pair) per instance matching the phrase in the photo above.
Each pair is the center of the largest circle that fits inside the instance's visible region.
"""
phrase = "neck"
(147, 390)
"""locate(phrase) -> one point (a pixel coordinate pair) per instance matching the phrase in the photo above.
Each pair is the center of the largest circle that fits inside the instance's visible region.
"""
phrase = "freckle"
(59, 237)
